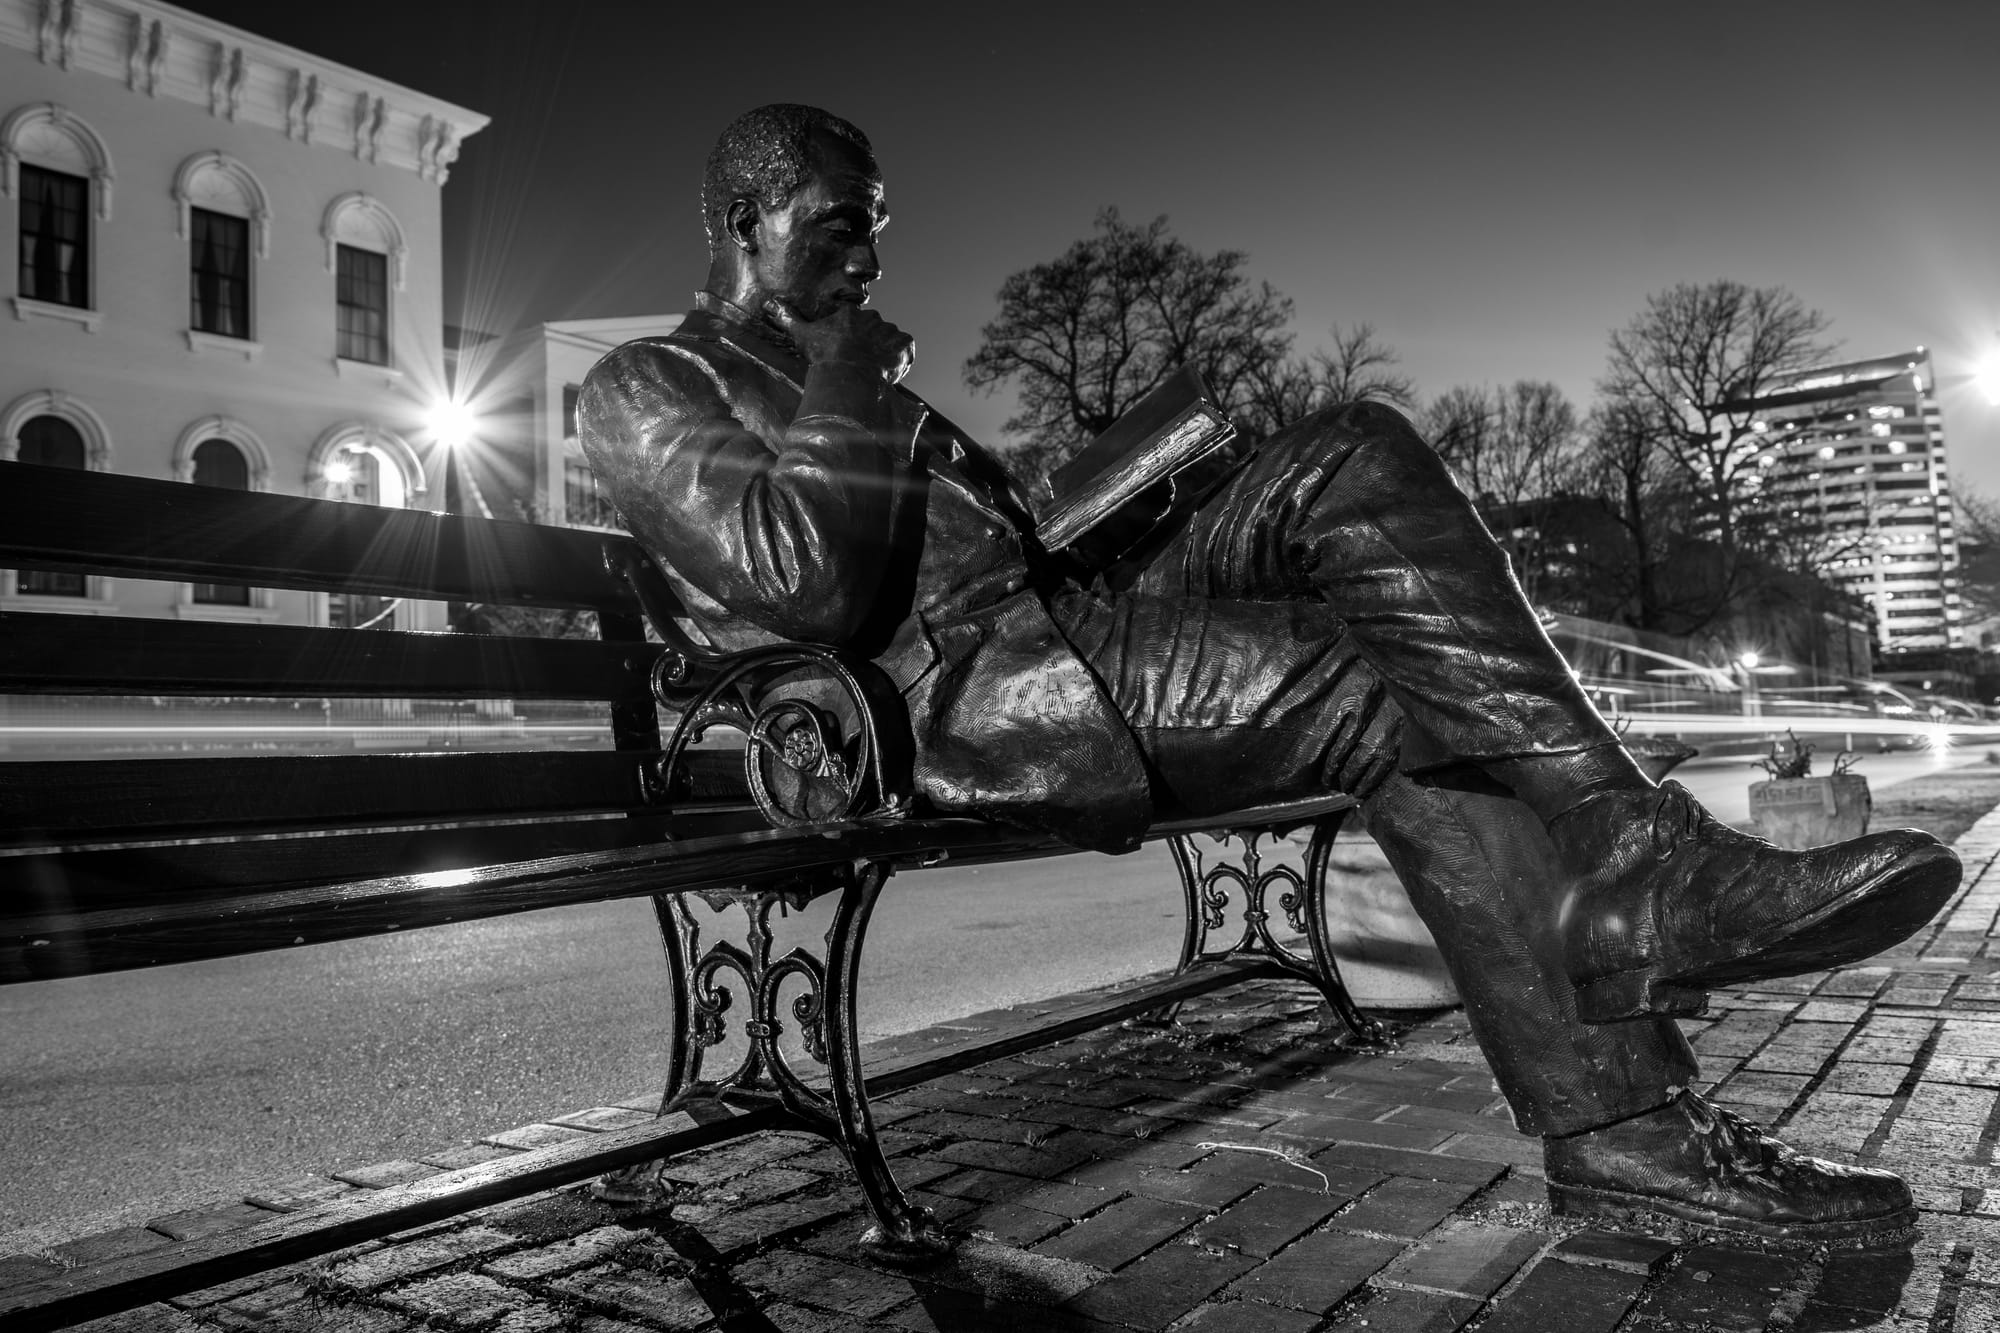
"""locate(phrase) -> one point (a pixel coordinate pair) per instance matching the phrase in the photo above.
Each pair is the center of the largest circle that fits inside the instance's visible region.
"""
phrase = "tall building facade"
(228, 272)
(1853, 457)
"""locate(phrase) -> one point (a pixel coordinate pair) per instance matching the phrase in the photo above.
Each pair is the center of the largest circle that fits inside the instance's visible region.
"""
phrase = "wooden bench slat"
(68, 654)
(47, 802)
(43, 947)
(134, 878)
(100, 523)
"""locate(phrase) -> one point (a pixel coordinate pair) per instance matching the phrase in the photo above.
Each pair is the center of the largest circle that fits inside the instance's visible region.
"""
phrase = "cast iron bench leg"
(1207, 889)
(825, 1013)
(903, 1231)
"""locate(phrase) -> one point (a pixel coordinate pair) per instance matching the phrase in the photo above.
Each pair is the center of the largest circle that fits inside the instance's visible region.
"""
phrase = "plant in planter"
(1794, 808)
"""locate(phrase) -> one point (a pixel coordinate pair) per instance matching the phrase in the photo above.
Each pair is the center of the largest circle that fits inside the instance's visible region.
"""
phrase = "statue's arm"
(790, 534)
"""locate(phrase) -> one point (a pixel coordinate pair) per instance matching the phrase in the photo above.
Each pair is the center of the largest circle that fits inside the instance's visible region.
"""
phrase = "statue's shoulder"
(681, 361)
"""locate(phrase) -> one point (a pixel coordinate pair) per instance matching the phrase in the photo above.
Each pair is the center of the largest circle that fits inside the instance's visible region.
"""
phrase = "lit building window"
(219, 248)
(55, 237)
(361, 298)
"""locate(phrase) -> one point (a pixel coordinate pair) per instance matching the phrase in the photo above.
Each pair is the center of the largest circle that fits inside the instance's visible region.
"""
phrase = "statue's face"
(818, 250)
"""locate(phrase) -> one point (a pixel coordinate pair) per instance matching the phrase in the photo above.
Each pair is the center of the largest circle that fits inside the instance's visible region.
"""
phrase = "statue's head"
(792, 202)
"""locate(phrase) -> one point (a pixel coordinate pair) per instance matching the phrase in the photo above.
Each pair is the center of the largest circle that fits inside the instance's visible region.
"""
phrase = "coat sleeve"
(790, 534)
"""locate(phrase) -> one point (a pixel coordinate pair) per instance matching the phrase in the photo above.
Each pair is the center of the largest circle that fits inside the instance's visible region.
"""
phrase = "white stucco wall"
(157, 87)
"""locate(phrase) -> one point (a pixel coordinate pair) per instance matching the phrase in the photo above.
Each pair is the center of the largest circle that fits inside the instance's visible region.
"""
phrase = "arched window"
(59, 170)
(360, 463)
(221, 464)
(223, 208)
(55, 237)
(365, 251)
(51, 442)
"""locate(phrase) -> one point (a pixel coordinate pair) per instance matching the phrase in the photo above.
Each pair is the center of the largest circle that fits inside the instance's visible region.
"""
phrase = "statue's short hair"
(766, 155)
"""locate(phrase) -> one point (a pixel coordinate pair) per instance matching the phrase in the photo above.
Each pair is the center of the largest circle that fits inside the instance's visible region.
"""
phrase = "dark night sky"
(1494, 187)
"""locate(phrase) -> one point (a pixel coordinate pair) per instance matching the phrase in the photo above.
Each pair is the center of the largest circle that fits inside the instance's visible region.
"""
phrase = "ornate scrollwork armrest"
(802, 765)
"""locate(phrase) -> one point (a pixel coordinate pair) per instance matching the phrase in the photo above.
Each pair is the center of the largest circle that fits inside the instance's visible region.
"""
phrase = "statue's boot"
(1695, 1161)
(1666, 902)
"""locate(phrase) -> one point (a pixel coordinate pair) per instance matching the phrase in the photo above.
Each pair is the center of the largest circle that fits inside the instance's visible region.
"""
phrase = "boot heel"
(1637, 994)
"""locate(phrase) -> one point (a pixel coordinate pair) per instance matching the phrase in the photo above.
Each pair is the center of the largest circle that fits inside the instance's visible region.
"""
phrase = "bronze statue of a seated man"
(1334, 617)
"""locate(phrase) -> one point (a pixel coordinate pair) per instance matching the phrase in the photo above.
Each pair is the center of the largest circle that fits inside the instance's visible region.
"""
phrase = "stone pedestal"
(1810, 812)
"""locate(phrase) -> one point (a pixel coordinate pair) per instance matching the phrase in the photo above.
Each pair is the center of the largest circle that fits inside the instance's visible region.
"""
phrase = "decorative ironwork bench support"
(1206, 888)
(825, 1012)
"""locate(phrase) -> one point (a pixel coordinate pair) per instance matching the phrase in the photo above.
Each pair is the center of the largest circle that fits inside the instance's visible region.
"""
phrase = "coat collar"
(760, 340)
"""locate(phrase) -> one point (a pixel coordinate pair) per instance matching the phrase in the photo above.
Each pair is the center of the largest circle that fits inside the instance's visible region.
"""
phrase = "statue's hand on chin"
(849, 335)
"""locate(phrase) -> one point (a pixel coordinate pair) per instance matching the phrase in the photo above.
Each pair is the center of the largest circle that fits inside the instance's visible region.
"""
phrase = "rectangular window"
(220, 251)
(584, 502)
(571, 393)
(55, 237)
(361, 296)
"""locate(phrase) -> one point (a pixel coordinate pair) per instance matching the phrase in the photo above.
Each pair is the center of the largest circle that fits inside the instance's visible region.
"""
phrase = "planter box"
(1809, 812)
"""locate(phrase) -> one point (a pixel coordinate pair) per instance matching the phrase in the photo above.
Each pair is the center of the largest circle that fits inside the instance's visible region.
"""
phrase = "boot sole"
(1874, 915)
(1619, 1206)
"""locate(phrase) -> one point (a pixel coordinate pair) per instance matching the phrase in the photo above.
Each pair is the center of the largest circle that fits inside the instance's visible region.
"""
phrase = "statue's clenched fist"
(848, 334)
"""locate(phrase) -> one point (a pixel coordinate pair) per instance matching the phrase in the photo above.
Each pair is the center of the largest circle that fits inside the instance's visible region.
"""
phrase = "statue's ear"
(739, 224)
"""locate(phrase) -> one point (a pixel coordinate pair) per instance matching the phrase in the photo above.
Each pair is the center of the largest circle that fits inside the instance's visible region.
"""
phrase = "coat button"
(1011, 586)
(994, 532)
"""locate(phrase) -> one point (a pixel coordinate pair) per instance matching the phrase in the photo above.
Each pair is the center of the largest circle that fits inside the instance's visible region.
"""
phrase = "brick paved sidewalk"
(1235, 1174)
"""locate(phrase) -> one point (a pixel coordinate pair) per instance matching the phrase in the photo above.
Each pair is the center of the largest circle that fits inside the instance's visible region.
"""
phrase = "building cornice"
(160, 50)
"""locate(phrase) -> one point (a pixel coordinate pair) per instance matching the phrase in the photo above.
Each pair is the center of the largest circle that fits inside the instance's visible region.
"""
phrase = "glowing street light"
(1988, 376)
(1746, 662)
(452, 423)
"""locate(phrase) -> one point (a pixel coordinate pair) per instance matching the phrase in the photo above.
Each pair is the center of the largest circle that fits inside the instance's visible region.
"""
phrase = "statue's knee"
(1330, 435)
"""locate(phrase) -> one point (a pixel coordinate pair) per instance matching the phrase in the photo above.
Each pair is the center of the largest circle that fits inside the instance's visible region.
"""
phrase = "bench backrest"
(130, 833)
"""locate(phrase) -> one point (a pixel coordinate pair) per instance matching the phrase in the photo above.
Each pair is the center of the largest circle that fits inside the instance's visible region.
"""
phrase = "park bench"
(162, 855)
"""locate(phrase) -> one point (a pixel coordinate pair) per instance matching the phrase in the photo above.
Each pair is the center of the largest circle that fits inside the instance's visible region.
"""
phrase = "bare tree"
(1358, 366)
(1637, 485)
(1085, 336)
(1698, 358)
(1459, 424)
(1979, 554)
(1517, 450)
(1510, 445)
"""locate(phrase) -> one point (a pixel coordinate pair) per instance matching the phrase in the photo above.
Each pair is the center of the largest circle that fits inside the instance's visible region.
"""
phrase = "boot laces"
(1735, 1147)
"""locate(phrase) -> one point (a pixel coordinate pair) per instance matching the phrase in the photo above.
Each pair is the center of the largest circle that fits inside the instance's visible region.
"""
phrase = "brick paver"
(1237, 1173)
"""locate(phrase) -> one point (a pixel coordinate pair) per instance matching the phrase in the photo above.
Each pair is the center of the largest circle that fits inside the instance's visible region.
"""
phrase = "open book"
(1175, 425)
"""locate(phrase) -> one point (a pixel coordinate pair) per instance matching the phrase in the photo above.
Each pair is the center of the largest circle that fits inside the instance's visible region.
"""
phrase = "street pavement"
(132, 1094)
(1240, 1172)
